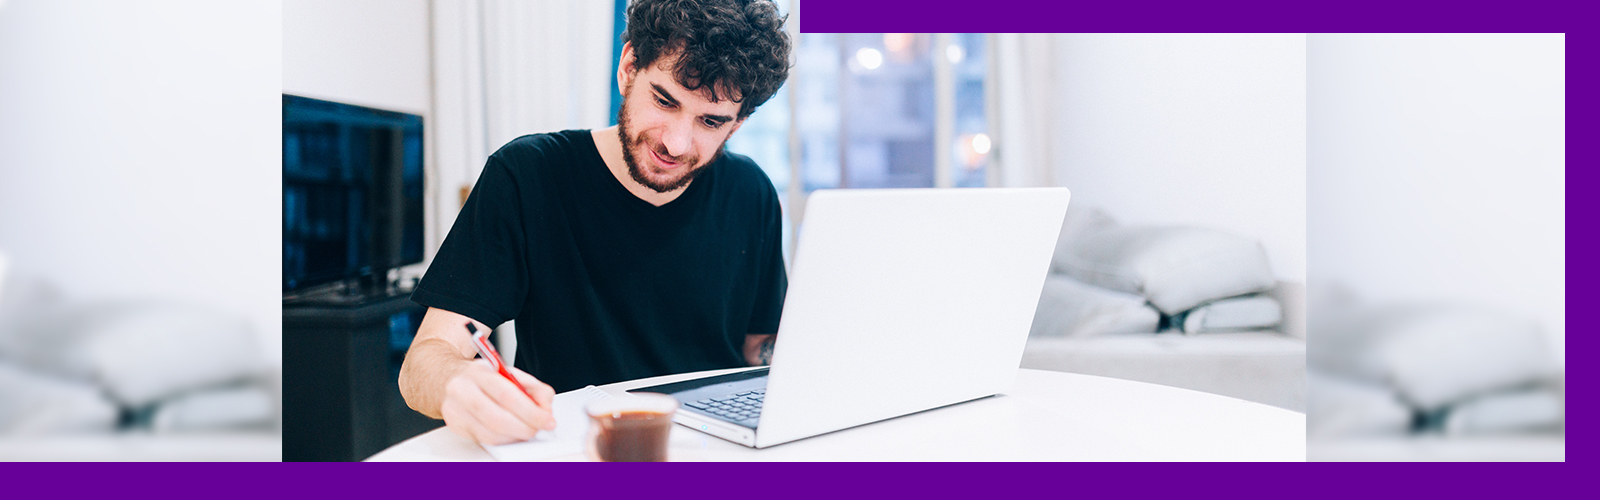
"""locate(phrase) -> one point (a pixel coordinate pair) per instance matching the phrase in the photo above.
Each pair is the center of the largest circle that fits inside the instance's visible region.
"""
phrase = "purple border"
(779, 480)
(964, 480)
(1066, 16)
(1315, 479)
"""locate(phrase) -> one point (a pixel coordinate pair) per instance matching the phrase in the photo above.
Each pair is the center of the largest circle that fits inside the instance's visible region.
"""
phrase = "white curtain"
(1026, 83)
(506, 68)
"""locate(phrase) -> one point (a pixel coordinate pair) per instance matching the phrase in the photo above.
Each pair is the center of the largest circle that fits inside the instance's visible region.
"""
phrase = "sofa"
(1187, 307)
(1431, 380)
(130, 379)
(1265, 366)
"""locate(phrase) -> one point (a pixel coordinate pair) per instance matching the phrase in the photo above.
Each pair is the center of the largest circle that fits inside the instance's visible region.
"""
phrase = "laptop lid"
(905, 300)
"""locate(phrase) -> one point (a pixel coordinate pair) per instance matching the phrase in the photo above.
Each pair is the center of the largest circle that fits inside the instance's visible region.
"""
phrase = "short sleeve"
(479, 271)
(774, 281)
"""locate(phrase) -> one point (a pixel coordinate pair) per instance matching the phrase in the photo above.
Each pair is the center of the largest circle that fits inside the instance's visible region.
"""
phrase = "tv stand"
(355, 292)
(340, 383)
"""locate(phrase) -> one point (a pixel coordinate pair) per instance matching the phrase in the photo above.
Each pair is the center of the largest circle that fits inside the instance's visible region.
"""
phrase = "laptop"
(899, 301)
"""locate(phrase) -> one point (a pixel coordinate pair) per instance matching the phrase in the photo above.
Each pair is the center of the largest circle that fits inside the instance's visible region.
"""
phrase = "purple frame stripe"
(1065, 16)
(968, 480)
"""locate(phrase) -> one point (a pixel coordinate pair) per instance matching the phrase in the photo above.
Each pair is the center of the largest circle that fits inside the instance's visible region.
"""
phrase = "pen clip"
(485, 349)
(488, 352)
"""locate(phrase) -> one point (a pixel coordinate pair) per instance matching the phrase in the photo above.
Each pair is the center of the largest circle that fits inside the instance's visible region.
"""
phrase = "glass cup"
(630, 428)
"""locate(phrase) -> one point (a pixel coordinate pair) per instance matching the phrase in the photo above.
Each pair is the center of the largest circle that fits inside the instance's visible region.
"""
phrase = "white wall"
(1199, 129)
(367, 52)
(139, 151)
(1438, 169)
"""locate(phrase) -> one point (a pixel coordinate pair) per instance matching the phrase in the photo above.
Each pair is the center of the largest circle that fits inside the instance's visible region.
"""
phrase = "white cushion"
(24, 301)
(1433, 354)
(1080, 223)
(1070, 308)
(1528, 410)
(1175, 268)
(1346, 408)
(140, 351)
(157, 351)
(32, 404)
(1291, 295)
(213, 409)
(49, 336)
(1251, 312)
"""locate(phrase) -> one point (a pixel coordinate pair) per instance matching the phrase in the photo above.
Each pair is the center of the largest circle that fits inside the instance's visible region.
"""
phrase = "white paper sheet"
(567, 440)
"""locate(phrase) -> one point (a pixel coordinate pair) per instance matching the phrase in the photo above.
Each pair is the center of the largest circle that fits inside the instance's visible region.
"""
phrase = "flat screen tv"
(352, 193)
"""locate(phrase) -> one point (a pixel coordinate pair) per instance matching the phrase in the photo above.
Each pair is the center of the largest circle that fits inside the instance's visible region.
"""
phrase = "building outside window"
(875, 110)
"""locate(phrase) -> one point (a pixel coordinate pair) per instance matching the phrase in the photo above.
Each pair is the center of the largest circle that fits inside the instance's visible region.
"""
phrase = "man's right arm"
(439, 379)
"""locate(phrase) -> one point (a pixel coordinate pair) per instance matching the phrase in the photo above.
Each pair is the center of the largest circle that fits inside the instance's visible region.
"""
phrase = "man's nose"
(677, 138)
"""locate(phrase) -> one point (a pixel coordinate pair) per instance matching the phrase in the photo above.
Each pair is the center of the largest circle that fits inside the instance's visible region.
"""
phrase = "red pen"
(486, 350)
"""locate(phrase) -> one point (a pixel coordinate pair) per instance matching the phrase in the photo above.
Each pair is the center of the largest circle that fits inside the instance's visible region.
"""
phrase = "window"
(874, 110)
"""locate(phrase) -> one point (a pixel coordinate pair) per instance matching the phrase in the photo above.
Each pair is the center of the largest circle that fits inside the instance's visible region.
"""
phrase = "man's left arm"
(773, 285)
(758, 348)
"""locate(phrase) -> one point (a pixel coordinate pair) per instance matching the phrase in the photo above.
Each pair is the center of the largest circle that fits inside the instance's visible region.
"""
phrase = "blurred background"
(1422, 317)
(1437, 207)
(138, 205)
(1186, 155)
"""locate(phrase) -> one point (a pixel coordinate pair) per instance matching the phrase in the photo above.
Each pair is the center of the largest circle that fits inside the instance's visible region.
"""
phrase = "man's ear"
(625, 69)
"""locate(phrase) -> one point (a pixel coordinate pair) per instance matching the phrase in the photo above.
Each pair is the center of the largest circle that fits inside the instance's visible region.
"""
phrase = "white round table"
(1047, 416)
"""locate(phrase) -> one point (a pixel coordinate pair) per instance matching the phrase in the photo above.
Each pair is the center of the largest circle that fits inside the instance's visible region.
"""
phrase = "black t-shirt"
(603, 285)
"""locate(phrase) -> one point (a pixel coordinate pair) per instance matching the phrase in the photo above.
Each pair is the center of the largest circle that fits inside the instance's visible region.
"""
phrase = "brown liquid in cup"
(634, 436)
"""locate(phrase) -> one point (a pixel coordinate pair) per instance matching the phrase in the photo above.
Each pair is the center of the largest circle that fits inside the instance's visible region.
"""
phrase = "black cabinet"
(341, 394)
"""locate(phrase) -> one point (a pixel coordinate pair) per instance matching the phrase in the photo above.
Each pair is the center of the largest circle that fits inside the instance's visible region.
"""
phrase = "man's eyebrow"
(664, 94)
(667, 96)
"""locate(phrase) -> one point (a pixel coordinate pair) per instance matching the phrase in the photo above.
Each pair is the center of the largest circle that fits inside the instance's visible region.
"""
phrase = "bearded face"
(670, 133)
(649, 162)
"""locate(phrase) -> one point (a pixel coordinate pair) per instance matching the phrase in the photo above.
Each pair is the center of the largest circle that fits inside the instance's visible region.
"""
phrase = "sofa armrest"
(1291, 295)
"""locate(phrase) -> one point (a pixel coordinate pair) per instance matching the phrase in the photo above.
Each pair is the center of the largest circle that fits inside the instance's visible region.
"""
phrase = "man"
(633, 251)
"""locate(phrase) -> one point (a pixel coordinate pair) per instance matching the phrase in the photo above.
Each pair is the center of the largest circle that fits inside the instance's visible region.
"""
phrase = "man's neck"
(610, 146)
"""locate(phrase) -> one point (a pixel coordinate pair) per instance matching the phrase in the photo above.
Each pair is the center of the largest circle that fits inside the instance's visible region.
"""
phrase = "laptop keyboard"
(741, 408)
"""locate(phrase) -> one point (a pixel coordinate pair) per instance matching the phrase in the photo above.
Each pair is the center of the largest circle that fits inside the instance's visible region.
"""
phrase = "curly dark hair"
(735, 47)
